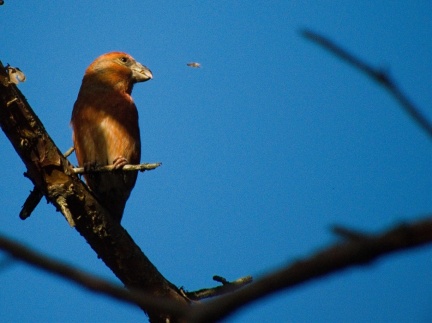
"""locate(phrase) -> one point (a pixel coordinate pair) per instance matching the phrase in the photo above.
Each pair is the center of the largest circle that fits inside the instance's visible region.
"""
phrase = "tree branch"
(332, 260)
(227, 287)
(88, 281)
(111, 168)
(377, 75)
(356, 249)
(101, 286)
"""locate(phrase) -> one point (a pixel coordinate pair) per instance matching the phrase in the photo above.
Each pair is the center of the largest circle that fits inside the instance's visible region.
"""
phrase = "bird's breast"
(105, 127)
(119, 139)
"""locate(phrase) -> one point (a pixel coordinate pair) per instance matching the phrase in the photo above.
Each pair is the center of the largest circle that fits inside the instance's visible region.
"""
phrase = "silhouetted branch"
(30, 203)
(227, 287)
(377, 75)
(102, 286)
(348, 234)
(351, 252)
(338, 257)
(88, 281)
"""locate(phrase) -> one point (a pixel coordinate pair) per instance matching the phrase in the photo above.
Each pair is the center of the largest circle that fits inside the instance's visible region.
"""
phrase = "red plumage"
(105, 126)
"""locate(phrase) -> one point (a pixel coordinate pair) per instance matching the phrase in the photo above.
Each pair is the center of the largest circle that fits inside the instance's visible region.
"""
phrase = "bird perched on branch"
(105, 127)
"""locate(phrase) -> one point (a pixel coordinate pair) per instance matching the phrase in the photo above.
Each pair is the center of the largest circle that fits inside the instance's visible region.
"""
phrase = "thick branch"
(52, 174)
(377, 75)
(329, 261)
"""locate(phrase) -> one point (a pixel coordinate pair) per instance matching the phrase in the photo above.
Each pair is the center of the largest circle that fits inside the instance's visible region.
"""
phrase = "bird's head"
(117, 69)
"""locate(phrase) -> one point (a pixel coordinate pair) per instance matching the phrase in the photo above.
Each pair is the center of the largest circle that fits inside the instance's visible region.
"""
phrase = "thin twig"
(221, 280)
(30, 203)
(69, 152)
(347, 233)
(227, 287)
(110, 168)
(379, 76)
(36, 195)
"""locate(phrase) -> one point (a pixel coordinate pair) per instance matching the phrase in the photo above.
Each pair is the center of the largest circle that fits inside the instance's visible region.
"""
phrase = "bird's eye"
(124, 59)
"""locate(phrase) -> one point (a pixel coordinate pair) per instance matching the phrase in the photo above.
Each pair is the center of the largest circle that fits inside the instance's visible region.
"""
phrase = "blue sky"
(264, 148)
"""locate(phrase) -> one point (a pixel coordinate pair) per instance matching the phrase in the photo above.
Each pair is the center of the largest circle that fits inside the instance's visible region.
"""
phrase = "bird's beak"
(140, 73)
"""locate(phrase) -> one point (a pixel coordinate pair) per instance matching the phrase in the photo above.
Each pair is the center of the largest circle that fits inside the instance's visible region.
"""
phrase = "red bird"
(105, 127)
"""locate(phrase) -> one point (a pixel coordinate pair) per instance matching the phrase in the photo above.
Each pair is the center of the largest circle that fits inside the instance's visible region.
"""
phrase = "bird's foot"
(89, 166)
(119, 162)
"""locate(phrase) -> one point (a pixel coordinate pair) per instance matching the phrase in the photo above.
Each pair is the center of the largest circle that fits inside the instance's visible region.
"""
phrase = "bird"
(105, 127)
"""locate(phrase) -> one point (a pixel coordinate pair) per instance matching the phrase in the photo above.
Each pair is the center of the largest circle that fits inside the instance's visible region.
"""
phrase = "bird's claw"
(119, 162)
(89, 166)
